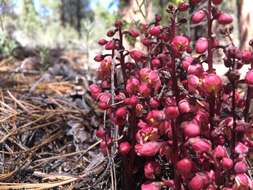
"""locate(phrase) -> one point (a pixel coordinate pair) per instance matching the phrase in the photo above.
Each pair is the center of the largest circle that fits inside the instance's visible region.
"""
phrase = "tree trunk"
(245, 14)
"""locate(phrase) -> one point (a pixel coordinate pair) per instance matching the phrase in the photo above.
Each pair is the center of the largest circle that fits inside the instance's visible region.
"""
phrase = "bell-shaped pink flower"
(243, 182)
(240, 148)
(201, 45)
(155, 30)
(102, 41)
(110, 45)
(171, 112)
(247, 56)
(198, 16)
(121, 112)
(212, 83)
(104, 100)
(124, 148)
(220, 152)
(196, 69)
(187, 62)
(100, 133)
(196, 183)
(144, 90)
(137, 55)
(227, 163)
(241, 167)
(180, 44)
(249, 77)
(193, 82)
(151, 186)
(133, 32)
(183, 6)
(190, 129)
(95, 90)
(151, 169)
(200, 145)
(184, 106)
(132, 85)
(155, 117)
(156, 62)
(184, 166)
(225, 18)
(99, 58)
(148, 149)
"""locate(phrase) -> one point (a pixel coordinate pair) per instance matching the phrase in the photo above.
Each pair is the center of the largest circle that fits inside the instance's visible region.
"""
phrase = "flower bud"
(102, 41)
(190, 129)
(193, 82)
(110, 33)
(151, 169)
(133, 32)
(146, 42)
(212, 83)
(110, 45)
(243, 182)
(247, 56)
(137, 55)
(98, 58)
(217, 2)
(151, 186)
(95, 90)
(249, 77)
(184, 166)
(104, 100)
(196, 183)
(132, 85)
(184, 106)
(198, 16)
(118, 23)
(171, 112)
(225, 18)
(201, 145)
(156, 62)
(219, 152)
(121, 113)
(227, 163)
(154, 103)
(195, 69)
(124, 148)
(148, 149)
(155, 30)
(240, 167)
(240, 148)
(187, 62)
(158, 18)
(100, 133)
(201, 45)
(183, 6)
(144, 90)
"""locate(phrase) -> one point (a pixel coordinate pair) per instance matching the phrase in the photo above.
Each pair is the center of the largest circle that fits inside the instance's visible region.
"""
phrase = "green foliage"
(7, 44)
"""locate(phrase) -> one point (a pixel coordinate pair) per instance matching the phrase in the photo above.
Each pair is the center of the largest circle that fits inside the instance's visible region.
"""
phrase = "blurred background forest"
(78, 24)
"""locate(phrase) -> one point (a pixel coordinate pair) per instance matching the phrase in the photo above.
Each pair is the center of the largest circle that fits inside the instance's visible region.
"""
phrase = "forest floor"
(47, 125)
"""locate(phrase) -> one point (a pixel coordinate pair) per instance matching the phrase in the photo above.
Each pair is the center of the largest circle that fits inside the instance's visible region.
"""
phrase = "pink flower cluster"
(181, 126)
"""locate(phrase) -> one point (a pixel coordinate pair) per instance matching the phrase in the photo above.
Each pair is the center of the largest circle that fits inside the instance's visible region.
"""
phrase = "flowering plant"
(181, 126)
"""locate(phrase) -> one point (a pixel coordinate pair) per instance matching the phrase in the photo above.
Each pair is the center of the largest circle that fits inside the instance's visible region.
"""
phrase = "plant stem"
(122, 58)
(234, 116)
(174, 124)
